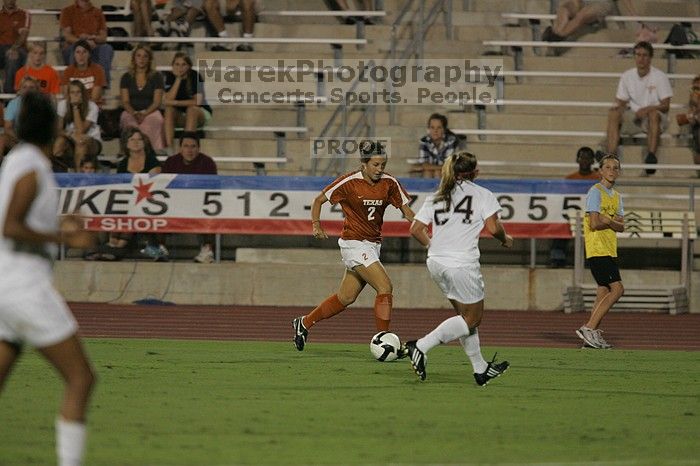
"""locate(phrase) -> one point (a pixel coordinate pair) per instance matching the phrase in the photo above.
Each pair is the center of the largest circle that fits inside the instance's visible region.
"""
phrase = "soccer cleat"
(402, 352)
(418, 359)
(300, 333)
(589, 336)
(492, 371)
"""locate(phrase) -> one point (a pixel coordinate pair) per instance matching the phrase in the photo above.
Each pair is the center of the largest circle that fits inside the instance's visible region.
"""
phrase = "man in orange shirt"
(84, 21)
(49, 82)
(92, 75)
(14, 29)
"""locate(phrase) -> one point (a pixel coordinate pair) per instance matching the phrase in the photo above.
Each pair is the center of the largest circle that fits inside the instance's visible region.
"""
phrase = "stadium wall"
(306, 284)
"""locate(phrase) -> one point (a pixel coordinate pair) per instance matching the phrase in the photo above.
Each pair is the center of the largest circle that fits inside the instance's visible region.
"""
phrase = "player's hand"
(318, 231)
(508, 243)
(74, 235)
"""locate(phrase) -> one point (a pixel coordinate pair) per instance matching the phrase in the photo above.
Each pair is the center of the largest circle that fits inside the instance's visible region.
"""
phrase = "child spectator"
(80, 134)
(46, 76)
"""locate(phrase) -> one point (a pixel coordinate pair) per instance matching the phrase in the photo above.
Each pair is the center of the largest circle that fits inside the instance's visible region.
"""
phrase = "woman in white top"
(458, 211)
(31, 310)
(79, 133)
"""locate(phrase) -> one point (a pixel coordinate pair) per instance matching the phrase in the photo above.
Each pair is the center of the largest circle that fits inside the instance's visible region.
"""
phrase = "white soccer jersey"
(22, 264)
(456, 229)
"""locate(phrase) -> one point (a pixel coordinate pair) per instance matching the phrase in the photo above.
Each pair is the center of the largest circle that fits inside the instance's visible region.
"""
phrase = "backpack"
(119, 32)
(108, 120)
(681, 34)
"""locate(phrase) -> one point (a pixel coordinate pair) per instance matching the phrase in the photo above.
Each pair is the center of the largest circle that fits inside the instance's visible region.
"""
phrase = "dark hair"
(441, 117)
(369, 149)
(457, 167)
(189, 135)
(84, 44)
(88, 159)
(646, 46)
(37, 119)
(127, 133)
(585, 151)
(84, 105)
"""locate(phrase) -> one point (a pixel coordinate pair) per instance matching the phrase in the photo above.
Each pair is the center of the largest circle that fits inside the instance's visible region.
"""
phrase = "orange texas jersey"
(363, 204)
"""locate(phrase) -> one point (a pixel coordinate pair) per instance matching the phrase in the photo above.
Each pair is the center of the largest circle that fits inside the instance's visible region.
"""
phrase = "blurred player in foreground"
(458, 211)
(31, 310)
(363, 195)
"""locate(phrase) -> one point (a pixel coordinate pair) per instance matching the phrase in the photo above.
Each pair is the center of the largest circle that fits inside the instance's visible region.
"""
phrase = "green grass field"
(204, 403)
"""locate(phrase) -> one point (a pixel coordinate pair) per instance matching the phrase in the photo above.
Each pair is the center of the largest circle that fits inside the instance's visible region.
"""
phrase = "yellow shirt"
(602, 242)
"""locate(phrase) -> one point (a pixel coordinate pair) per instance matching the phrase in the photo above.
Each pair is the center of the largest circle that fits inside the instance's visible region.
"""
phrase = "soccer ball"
(385, 346)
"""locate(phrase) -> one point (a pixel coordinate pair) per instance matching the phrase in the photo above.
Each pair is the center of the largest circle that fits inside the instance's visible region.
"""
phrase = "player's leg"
(9, 353)
(71, 362)
(375, 275)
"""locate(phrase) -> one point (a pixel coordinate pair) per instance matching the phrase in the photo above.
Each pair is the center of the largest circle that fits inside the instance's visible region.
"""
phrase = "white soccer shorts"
(463, 283)
(356, 252)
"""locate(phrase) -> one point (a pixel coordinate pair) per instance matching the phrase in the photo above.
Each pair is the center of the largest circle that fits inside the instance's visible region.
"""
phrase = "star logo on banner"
(143, 191)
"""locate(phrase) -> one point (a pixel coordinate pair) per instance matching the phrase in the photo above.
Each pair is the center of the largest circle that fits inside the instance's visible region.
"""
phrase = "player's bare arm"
(419, 231)
(495, 227)
(316, 228)
(408, 212)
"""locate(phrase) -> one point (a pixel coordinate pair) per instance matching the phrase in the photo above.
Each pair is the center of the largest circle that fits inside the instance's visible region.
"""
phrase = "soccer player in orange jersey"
(363, 195)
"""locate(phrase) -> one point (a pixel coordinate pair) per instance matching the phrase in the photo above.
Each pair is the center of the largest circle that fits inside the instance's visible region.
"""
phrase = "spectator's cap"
(82, 43)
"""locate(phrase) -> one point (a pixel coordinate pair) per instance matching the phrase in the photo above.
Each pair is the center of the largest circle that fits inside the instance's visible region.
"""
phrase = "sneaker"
(601, 341)
(548, 35)
(418, 359)
(492, 371)
(219, 48)
(589, 336)
(157, 253)
(300, 333)
(205, 256)
(244, 47)
(651, 159)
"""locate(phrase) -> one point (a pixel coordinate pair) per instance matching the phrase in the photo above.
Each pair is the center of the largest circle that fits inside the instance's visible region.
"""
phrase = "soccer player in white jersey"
(31, 310)
(458, 211)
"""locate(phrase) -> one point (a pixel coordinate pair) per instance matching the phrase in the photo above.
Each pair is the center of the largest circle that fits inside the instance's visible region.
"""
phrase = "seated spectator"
(192, 162)
(248, 14)
(14, 29)
(585, 157)
(84, 21)
(436, 146)
(46, 76)
(141, 90)
(79, 135)
(572, 15)
(11, 114)
(692, 117)
(88, 165)
(184, 98)
(139, 157)
(84, 70)
(143, 12)
(648, 93)
(185, 12)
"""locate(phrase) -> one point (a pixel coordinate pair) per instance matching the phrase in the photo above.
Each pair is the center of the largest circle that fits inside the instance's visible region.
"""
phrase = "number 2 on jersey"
(370, 212)
(459, 208)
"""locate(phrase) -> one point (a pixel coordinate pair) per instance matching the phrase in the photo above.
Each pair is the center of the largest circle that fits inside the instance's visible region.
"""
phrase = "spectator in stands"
(248, 13)
(84, 21)
(184, 101)
(190, 161)
(572, 15)
(139, 157)
(11, 115)
(585, 157)
(692, 117)
(436, 146)
(648, 93)
(46, 76)
(142, 94)
(92, 75)
(604, 219)
(79, 135)
(88, 165)
(14, 29)
(143, 12)
(185, 12)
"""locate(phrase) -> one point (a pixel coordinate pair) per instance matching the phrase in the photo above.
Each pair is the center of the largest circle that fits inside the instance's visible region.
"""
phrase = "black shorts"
(604, 270)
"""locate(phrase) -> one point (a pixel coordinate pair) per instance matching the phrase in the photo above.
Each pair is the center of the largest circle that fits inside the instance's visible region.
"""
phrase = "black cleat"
(418, 359)
(492, 371)
(402, 352)
(300, 333)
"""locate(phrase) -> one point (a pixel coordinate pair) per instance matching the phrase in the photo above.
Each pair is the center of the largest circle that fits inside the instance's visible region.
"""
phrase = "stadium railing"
(653, 224)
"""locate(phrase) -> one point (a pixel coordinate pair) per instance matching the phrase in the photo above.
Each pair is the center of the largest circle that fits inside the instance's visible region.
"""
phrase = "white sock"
(450, 329)
(223, 33)
(247, 35)
(472, 347)
(70, 442)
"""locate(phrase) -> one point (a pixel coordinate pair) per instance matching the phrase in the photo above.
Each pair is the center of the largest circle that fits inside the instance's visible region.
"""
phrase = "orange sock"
(328, 308)
(382, 310)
